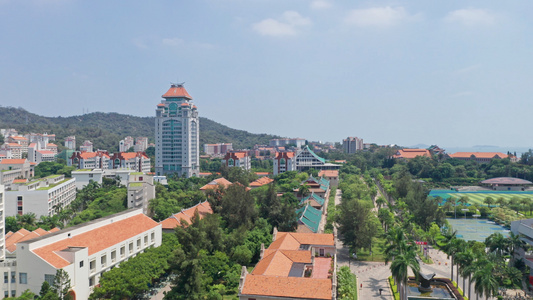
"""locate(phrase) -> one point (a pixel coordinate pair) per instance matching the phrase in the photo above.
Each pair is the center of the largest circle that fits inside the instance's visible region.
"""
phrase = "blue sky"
(452, 73)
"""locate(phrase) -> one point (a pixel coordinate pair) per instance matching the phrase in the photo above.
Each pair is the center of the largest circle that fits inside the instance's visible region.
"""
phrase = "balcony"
(525, 230)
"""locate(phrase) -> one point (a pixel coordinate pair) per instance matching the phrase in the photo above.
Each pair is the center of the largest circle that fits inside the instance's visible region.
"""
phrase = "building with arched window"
(239, 159)
(177, 134)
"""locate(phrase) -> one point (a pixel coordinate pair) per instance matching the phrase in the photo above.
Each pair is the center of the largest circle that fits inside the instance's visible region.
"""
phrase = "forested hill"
(105, 130)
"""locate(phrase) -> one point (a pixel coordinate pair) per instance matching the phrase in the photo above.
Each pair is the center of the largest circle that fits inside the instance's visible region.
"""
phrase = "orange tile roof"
(14, 145)
(177, 91)
(328, 173)
(478, 155)
(293, 240)
(186, 215)
(9, 161)
(51, 145)
(213, 184)
(289, 287)
(20, 180)
(45, 152)
(97, 239)
(262, 173)
(32, 145)
(87, 155)
(18, 138)
(412, 153)
(161, 105)
(261, 181)
(22, 235)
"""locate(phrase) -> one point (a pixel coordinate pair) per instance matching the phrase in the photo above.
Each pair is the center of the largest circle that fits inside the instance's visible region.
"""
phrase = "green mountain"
(105, 130)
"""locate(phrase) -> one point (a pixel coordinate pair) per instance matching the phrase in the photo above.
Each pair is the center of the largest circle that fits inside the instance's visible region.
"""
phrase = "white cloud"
(181, 43)
(288, 25)
(377, 16)
(173, 42)
(471, 17)
(320, 4)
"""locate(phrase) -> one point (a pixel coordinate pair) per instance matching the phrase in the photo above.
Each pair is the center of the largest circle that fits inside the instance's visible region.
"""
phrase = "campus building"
(85, 251)
(482, 157)
(15, 168)
(217, 149)
(137, 161)
(177, 134)
(283, 162)
(90, 160)
(307, 159)
(239, 159)
(411, 153)
(295, 266)
(141, 190)
(41, 196)
(297, 142)
(70, 142)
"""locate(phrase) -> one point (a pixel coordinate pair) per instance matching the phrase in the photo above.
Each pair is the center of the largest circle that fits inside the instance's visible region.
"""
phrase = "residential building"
(141, 190)
(20, 140)
(297, 142)
(15, 168)
(141, 144)
(177, 134)
(90, 160)
(217, 149)
(37, 152)
(482, 157)
(137, 161)
(70, 142)
(41, 196)
(352, 144)
(239, 159)
(307, 159)
(125, 144)
(85, 251)
(295, 266)
(87, 146)
(283, 162)
(330, 175)
(411, 153)
(14, 149)
(185, 217)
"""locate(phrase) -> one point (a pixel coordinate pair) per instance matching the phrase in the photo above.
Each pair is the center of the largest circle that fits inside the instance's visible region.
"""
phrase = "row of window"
(23, 277)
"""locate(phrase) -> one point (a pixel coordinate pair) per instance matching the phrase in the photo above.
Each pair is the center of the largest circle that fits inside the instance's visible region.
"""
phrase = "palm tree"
(400, 268)
(514, 242)
(486, 282)
(489, 201)
(496, 243)
(464, 260)
(380, 201)
(304, 190)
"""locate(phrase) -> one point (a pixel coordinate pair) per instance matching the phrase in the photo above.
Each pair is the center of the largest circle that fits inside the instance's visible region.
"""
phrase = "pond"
(440, 291)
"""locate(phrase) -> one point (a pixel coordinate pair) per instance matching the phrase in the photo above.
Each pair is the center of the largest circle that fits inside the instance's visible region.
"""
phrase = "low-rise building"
(239, 159)
(330, 175)
(295, 266)
(85, 251)
(41, 197)
(85, 176)
(308, 219)
(284, 161)
(90, 160)
(70, 142)
(482, 157)
(137, 161)
(261, 182)
(411, 153)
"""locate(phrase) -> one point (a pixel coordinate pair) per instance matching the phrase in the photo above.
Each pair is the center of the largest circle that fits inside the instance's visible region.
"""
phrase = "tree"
(238, 207)
(303, 190)
(399, 268)
(61, 286)
(501, 202)
(464, 261)
(356, 224)
(489, 201)
(485, 280)
(380, 201)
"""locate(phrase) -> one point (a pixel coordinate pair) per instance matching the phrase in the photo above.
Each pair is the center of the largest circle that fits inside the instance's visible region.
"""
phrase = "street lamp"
(465, 210)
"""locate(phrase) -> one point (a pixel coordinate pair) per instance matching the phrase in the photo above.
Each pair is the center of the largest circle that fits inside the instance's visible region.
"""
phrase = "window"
(103, 260)
(92, 265)
(138, 244)
(13, 293)
(131, 247)
(122, 251)
(6, 277)
(91, 281)
(23, 278)
(152, 237)
(13, 277)
(146, 240)
(49, 278)
(81, 264)
(6, 294)
(113, 256)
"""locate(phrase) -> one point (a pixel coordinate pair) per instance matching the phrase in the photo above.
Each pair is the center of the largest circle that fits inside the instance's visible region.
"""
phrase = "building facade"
(85, 251)
(239, 159)
(177, 134)
(90, 160)
(298, 142)
(137, 161)
(283, 162)
(352, 144)
(70, 142)
(141, 190)
(217, 149)
(41, 196)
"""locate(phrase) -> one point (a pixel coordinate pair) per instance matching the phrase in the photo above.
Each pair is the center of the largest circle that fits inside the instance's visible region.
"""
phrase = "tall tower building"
(177, 134)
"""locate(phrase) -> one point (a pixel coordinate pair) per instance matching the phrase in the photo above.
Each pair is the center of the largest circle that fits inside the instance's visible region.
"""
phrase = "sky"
(451, 73)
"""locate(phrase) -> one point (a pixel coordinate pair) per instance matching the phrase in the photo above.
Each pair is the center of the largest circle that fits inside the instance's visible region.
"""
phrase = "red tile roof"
(97, 239)
(177, 91)
(14, 145)
(9, 161)
(478, 155)
(45, 152)
(289, 287)
(186, 215)
(412, 153)
(23, 235)
(20, 180)
(261, 181)
(21, 138)
(213, 184)
(328, 173)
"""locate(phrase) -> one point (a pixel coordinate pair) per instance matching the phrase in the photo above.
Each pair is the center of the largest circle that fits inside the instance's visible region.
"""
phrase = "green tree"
(399, 268)
(489, 201)
(485, 280)
(238, 207)
(61, 286)
(356, 224)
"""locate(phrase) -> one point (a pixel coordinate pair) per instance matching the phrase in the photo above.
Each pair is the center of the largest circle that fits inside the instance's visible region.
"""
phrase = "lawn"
(377, 251)
(477, 198)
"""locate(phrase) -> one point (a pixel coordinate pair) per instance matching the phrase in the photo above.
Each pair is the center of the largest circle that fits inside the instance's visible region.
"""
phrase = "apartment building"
(41, 196)
(87, 146)
(90, 160)
(137, 161)
(85, 251)
(239, 159)
(352, 144)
